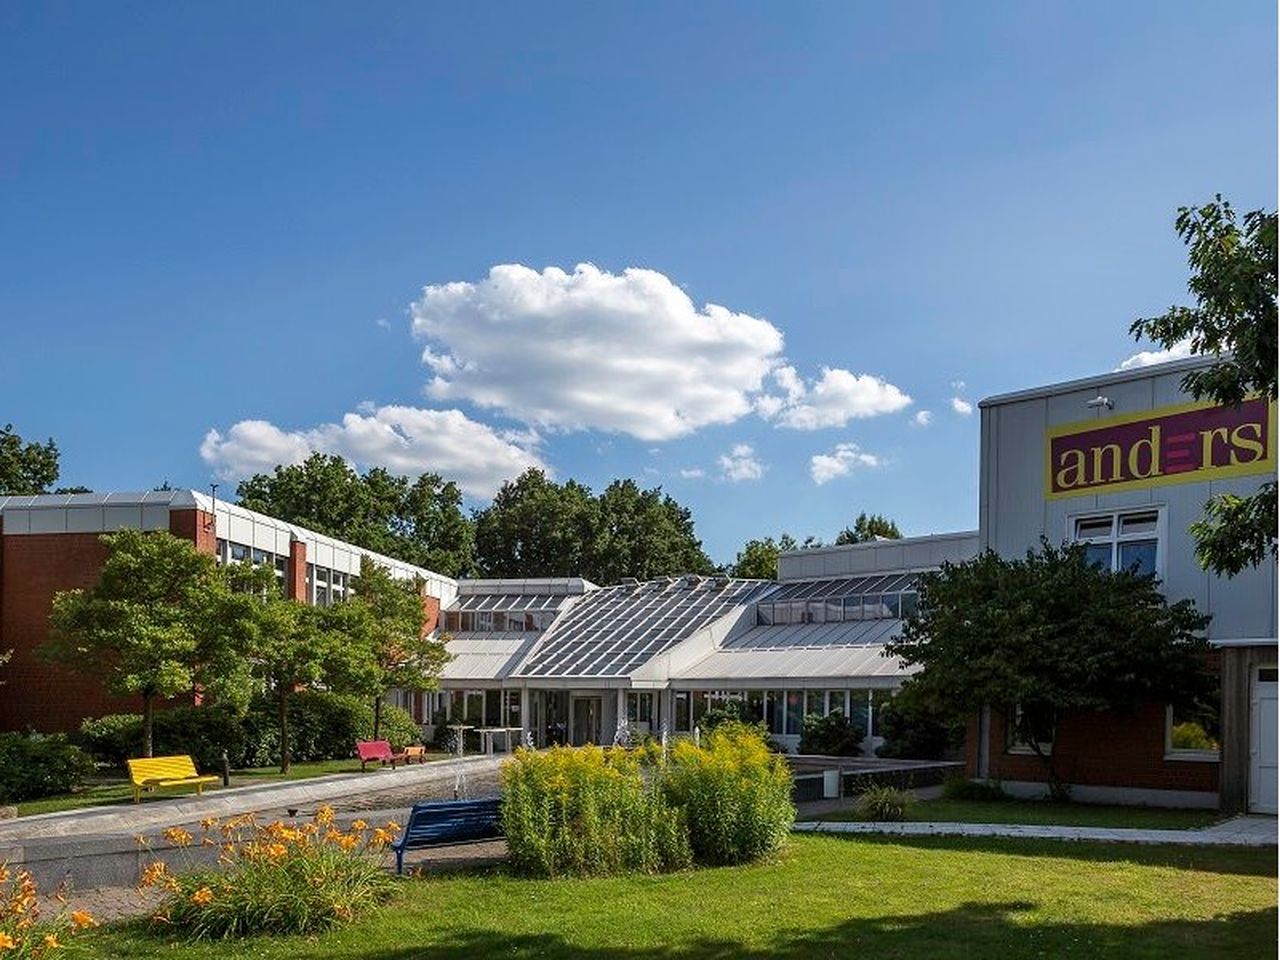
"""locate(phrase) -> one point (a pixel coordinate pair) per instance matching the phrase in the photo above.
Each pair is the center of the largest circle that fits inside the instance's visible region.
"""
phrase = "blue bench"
(451, 821)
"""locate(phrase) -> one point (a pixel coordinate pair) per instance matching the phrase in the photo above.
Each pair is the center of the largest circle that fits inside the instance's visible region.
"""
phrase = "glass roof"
(514, 602)
(844, 587)
(611, 632)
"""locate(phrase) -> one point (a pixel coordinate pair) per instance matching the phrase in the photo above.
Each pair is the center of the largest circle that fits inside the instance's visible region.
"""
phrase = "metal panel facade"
(1017, 508)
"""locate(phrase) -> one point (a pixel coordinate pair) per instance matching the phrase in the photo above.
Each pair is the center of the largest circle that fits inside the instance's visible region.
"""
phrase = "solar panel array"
(613, 631)
(845, 587)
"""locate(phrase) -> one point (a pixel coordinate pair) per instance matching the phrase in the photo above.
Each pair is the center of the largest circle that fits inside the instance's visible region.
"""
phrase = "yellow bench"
(148, 773)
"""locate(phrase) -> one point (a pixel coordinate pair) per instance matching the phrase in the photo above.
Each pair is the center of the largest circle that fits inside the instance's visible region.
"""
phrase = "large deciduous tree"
(1045, 635)
(536, 527)
(26, 468)
(1233, 281)
(420, 522)
(145, 627)
(869, 527)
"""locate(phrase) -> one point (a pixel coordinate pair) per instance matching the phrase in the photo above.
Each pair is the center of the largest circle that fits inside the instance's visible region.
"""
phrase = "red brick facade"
(196, 526)
(431, 611)
(295, 577)
(37, 695)
(1098, 749)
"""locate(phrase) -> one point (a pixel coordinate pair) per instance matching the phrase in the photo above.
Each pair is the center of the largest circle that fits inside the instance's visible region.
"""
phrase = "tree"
(144, 627)
(26, 468)
(1233, 281)
(386, 617)
(1047, 634)
(643, 534)
(758, 559)
(288, 645)
(420, 522)
(869, 527)
(536, 527)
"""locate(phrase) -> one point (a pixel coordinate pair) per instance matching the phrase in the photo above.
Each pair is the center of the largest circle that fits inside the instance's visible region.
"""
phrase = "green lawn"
(116, 789)
(937, 898)
(1048, 812)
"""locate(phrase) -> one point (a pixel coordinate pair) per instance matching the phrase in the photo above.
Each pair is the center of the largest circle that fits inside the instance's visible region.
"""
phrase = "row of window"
(871, 606)
(781, 711)
(325, 586)
(497, 621)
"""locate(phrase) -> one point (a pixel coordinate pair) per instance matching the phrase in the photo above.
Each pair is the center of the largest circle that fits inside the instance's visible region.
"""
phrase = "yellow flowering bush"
(273, 878)
(735, 793)
(24, 933)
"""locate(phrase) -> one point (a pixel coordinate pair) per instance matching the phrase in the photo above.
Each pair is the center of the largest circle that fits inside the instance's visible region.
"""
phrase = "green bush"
(322, 726)
(112, 739)
(884, 803)
(37, 765)
(834, 735)
(962, 788)
(736, 794)
(1191, 736)
(913, 730)
(588, 811)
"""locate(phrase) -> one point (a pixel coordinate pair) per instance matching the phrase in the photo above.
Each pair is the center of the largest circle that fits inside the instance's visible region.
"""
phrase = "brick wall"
(196, 526)
(295, 582)
(431, 610)
(37, 695)
(1099, 748)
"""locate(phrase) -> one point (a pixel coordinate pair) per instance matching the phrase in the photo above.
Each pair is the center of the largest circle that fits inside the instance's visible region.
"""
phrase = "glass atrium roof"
(612, 631)
(844, 587)
(513, 602)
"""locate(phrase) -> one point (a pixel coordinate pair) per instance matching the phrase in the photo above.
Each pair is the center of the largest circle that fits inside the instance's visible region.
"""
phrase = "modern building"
(1125, 463)
(53, 542)
(645, 657)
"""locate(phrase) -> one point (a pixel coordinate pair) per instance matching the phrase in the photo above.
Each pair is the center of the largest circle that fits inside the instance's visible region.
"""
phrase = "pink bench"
(379, 750)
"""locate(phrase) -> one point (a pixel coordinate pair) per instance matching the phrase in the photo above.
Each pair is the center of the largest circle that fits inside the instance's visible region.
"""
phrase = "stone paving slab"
(1239, 831)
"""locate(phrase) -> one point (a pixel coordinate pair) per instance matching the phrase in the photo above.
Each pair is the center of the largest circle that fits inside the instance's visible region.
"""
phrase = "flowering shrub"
(274, 878)
(586, 811)
(23, 934)
(735, 792)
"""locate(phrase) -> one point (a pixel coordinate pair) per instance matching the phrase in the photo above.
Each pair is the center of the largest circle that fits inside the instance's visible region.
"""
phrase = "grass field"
(1049, 812)
(116, 789)
(937, 898)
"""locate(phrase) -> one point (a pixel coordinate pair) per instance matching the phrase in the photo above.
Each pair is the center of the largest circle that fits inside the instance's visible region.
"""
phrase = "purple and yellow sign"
(1183, 444)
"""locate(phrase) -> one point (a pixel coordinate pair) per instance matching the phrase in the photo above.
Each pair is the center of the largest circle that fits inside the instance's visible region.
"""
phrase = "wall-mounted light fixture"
(1099, 402)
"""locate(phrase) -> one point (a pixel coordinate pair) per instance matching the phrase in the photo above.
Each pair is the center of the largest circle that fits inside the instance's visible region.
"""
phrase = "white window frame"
(1116, 538)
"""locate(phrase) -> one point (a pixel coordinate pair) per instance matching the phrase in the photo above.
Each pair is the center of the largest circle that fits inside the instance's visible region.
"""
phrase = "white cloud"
(626, 352)
(692, 473)
(1147, 358)
(957, 385)
(962, 407)
(383, 322)
(843, 459)
(835, 398)
(740, 463)
(922, 418)
(407, 440)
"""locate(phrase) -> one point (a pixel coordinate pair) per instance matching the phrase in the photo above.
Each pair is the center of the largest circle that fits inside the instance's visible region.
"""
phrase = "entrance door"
(1262, 742)
(586, 720)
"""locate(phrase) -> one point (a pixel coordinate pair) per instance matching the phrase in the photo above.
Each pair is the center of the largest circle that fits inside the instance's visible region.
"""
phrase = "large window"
(1193, 730)
(640, 707)
(1030, 722)
(1124, 540)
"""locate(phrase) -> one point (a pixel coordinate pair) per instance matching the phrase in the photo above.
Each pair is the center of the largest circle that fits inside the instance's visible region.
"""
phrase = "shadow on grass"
(1241, 861)
(968, 931)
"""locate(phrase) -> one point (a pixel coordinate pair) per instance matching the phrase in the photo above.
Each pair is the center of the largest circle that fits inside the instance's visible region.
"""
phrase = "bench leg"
(400, 863)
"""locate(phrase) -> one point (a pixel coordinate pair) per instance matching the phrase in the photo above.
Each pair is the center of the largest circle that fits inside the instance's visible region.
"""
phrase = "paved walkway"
(1239, 831)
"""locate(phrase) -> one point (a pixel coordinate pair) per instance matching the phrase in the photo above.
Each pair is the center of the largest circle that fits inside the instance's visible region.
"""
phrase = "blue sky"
(220, 215)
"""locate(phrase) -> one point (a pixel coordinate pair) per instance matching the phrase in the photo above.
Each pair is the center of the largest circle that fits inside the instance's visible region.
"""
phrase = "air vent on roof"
(629, 582)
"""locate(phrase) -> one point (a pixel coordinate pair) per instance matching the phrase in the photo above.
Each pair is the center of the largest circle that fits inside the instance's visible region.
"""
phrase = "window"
(1121, 541)
(774, 713)
(838, 700)
(1193, 730)
(682, 711)
(1038, 720)
(640, 707)
(795, 712)
(814, 702)
(452, 621)
(764, 614)
(239, 553)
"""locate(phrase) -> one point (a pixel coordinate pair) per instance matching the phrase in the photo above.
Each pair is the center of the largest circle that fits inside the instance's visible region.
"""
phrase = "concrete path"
(132, 819)
(1239, 831)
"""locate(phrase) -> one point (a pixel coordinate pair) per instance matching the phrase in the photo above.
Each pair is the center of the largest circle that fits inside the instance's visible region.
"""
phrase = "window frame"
(1116, 538)
(1181, 753)
(1022, 748)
